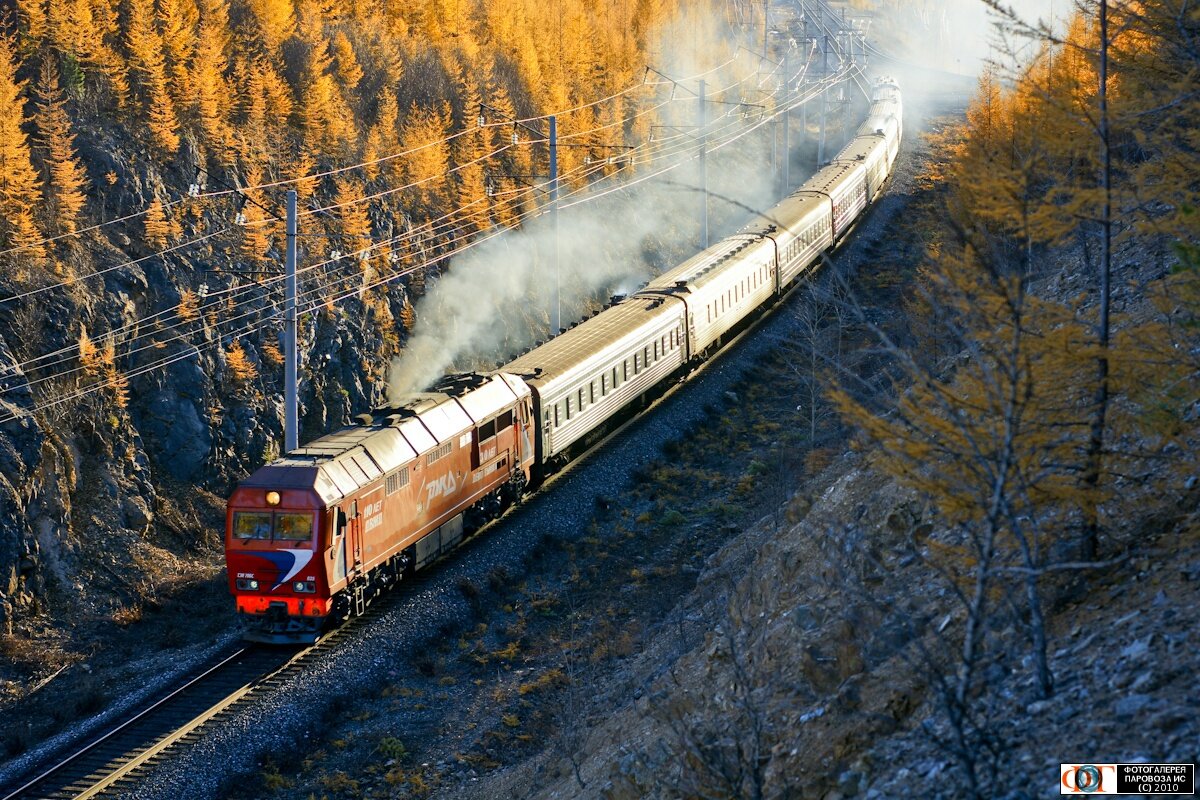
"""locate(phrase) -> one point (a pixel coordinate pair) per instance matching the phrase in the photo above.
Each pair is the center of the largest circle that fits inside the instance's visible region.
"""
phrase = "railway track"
(112, 762)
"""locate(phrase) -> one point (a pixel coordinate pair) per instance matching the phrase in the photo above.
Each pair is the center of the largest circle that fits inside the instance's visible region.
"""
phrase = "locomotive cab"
(272, 543)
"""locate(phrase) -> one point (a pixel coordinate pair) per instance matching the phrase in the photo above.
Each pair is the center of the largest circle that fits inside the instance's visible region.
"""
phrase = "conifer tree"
(146, 62)
(156, 227)
(256, 228)
(19, 193)
(348, 71)
(469, 151)
(210, 90)
(241, 369)
(89, 354)
(34, 21)
(303, 165)
(424, 131)
(352, 214)
(177, 20)
(382, 139)
(65, 176)
(275, 22)
(75, 29)
(324, 116)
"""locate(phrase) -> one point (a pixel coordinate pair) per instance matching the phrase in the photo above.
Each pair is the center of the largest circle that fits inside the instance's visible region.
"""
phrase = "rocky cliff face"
(82, 451)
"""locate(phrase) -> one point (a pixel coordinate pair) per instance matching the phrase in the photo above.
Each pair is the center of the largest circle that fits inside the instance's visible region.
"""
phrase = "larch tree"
(156, 226)
(352, 213)
(383, 137)
(210, 98)
(256, 225)
(65, 177)
(347, 68)
(324, 116)
(424, 132)
(177, 23)
(274, 23)
(302, 167)
(146, 62)
(469, 158)
(34, 22)
(19, 192)
(75, 29)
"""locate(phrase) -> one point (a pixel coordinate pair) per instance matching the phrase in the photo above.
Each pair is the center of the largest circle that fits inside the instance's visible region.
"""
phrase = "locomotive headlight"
(272, 498)
(304, 587)
(247, 584)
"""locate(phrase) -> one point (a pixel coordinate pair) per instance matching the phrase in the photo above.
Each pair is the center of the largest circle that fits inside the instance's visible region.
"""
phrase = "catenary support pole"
(556, 305)
(824, 99)
(787, 123)
(703, 172)
(291, 350)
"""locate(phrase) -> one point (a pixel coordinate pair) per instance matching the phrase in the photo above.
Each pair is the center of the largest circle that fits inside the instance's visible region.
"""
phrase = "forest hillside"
(145, 149)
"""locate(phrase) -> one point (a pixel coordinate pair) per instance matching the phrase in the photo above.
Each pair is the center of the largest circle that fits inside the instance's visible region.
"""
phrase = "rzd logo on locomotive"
(440, 487)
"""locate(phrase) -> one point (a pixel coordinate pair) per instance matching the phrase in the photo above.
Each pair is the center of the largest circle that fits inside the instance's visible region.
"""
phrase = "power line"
(411, 234)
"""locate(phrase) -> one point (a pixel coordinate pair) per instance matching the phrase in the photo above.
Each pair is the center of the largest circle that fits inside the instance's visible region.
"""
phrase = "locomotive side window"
(293, 527)
(504, 421)
(487, 430)
(252, 525)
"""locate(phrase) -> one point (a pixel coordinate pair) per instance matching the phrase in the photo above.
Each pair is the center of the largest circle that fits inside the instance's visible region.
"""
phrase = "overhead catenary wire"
(450, 219)
(484, 238)
(37, 360)
(308, 212)
(196, 349)
(157, 332)
(274, 184)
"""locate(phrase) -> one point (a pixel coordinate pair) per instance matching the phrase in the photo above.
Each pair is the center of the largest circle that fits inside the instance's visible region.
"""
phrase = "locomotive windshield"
(291, 526)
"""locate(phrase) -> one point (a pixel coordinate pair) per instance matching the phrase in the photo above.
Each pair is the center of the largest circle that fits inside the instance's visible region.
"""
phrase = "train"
(312, 537)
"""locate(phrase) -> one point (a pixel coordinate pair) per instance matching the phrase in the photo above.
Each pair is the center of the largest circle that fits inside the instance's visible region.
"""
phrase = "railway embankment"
(746, 608)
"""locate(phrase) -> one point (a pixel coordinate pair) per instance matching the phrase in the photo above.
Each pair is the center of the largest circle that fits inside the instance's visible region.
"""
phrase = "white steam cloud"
(494, 300)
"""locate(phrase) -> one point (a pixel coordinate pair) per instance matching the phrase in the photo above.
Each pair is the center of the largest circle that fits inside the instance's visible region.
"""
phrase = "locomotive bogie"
(379, 496)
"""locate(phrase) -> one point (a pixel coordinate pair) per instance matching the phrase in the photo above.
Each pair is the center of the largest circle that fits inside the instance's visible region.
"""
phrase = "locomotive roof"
(590, 339)
(339, 463)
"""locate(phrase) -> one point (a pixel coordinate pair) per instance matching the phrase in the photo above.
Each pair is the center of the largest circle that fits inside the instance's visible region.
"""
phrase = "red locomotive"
(318, 533)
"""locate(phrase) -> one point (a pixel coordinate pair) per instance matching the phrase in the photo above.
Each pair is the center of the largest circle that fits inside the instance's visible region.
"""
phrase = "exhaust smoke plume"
(494, 300)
